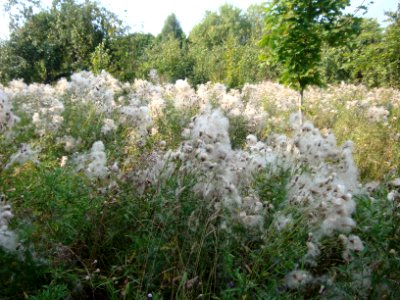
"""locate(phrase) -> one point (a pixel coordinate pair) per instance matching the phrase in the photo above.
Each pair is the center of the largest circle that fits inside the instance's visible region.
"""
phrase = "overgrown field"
(114, 190)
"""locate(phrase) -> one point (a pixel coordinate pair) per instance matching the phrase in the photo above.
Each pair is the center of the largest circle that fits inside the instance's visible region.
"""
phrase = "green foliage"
(20, 10)
(238, 131)
(81, 28)
(360, 60)
(172, 29)
(58, 203)
(307, 42)
(100, 59)
(129, 55)
(21, 275)
(53, 43)
(169, 58)
(216, 28)
(392, 46)
(294, 35)
(12, 65)
(40, 52)
(379, 220)
(223, 47)
(55, 292)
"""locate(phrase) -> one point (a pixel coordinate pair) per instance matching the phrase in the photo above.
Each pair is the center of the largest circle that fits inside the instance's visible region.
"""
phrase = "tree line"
(48, 44)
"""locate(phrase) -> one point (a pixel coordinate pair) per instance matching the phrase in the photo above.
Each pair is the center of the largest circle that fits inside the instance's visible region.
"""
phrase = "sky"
(149, 15)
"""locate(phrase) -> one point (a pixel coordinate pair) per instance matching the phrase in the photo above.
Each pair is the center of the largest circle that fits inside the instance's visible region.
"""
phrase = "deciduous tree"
(295, 32)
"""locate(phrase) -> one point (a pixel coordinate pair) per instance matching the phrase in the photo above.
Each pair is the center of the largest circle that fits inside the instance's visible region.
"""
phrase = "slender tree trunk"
(300, 104)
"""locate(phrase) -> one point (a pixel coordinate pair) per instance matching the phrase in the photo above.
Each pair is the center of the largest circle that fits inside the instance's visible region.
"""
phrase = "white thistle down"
(8, 239)
(97, 167)
(7, 118)
(24, 154)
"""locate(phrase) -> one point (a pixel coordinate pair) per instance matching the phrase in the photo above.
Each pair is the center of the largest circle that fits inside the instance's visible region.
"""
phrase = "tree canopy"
(294, 35)
(303, 43)
(172, 29)
(60, 40)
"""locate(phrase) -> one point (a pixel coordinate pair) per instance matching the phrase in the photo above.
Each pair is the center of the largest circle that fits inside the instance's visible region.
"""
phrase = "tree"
(172, 29)
(129, 53)
(392, 43)
(169, 58)
(54, 43)
(294, 35)
(20, 10)
(217, 44)
(224, 47)
(168, 53)
(359, 60)
(12, 66)
(217, 27)
(35, 43)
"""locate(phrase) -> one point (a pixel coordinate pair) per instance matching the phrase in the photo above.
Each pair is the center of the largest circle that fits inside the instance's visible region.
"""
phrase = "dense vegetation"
(224, 47)
(114, 190)
(118, 181)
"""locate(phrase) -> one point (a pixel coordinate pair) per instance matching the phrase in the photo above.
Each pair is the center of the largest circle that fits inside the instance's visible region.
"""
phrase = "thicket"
(224, 47)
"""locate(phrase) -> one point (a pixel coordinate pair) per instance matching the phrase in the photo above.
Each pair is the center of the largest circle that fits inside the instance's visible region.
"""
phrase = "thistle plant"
(134, 190)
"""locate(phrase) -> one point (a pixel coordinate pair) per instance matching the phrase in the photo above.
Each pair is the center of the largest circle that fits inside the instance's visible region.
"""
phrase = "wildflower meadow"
(150, 190)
